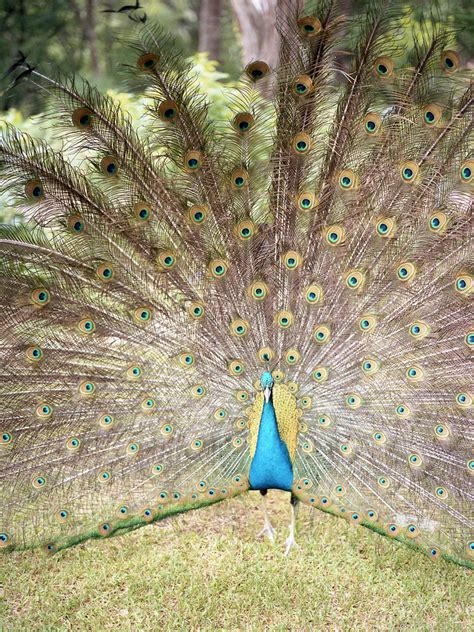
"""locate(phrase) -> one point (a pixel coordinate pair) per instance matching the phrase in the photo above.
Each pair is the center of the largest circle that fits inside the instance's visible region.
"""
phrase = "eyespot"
(106, 421)
(109, 166)
(348, 180)
(44, 411)
(34, 190)
(469, 339)
(266, 354)
(242, 395)
(335, 235)
(147, 514)
(306, 201)
(408, 171)
(292, 260)
(370, 366)
(306, 402)
(392, 530)
(73, 444)
(313, 294)
(147, 62)
(438, 222)
(105, 272)
(322, 334)
(414, 373)
(142, 212)
(143, 315)
(412, 531)
(163, 496)
(450, 61)
(383, 67)
(415, 460)
(168, 111)
(167, 430)
(237, 442)
(258, 290)
(402, 410)
(385, 227)
(148, 405)
(245, 229)
(5, 438)
(379, 438)
(186, 360)
(441, 492)
(464, 400)
(325, 501)
(257, 70)
(371, 515)
(466, 170)
(38, 482)
(463, 284)
(197, 214)
(284, 319)
(218, 268)
(105, 476)
(431, 115)
(235, 367)
(302, 86)
(34, 354)
(434, 552)
(340, 491)
(82, 118)
(5, 540)
(87, 388)
(156, 469)
(367, 323)
(470, 549)
(354, 279)
(243, 122)
(320, 374)
(442, 432)
(239, 327)
(383, 482)
(166, 260)
(406, 271)
(324, 421)
(193, 161)
(355, 517)
(196, 310)
(418, 329)
(198, 391)
(309, 26)
(40, 297)
(134, 373)
(301, 144)
(76, 224)
(239, 179)
(353, 401)
(345, 449)
(293, 387)
(372, 124)
(292, 357)
(278, 376)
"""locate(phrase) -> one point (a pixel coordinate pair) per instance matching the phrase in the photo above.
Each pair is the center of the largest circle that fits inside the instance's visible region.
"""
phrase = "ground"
(206, 571)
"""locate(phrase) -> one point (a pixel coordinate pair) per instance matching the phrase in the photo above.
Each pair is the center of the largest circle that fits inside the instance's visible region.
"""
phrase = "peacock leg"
(290, 541)
(268, 529)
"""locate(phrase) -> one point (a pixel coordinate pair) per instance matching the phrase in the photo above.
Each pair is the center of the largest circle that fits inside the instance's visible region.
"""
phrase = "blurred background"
(80, 36)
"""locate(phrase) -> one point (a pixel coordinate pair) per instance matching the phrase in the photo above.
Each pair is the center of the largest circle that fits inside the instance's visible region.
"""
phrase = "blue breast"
(271, 465)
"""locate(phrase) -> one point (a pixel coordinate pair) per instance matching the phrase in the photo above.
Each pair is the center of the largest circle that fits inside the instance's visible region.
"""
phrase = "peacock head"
(267, 382)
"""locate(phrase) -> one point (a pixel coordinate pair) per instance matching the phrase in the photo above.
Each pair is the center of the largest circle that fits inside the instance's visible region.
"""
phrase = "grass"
(205, 570)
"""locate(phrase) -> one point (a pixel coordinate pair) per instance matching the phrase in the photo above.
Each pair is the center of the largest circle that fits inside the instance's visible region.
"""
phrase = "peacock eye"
(193, 161)
(147, 62)
(348, 180)
(104, 476)
(292, 357)
(166, 260)
(406, 271)
(309, 26)
(40, 297)
(367, 323)
(257, 70)
(218, 268)
(34, 190)
(414, 373)
(450, 61)
(142, 212)
(258, 290)
(168, 111)
(106, 421)
(5, 438)
(370, 366)
(335, 235)
(82, 118)
(355, 279)
(236, 367)
(109, 166)
(76, 224)
(239, 327)
(143, 315)
(44, 411)
(466, 170)
(292, 260)
(38, 482)
(132, 448)
(322, 334)
(301, 143)
(385, 227)
(409, 171)
(243, 122)
(419, 329)
(245, 229)
(73, 444)
(383, 67)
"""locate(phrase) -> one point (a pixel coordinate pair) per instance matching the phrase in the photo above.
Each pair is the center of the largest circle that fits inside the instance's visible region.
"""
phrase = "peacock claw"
(290, 543)
(268, 531)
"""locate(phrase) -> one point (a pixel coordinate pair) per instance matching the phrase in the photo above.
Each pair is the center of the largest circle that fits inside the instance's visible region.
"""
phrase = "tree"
(210, 16)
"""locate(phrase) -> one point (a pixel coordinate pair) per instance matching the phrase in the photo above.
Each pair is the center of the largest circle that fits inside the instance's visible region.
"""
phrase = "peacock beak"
(267, 392)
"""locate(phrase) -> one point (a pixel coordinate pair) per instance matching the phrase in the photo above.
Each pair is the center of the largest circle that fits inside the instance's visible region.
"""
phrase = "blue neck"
(271, 466)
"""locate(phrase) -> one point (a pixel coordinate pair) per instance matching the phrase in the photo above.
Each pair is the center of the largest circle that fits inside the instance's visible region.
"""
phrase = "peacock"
(276, 299)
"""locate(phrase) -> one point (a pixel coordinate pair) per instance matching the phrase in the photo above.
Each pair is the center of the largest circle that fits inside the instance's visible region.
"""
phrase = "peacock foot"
(290, 543)
(268, 531)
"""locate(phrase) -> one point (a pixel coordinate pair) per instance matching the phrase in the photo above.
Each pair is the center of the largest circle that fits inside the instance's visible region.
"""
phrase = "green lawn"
(205, 570)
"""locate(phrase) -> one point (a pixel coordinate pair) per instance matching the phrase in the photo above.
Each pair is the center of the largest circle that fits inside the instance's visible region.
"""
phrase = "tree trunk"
(210, 16)
(90, 35)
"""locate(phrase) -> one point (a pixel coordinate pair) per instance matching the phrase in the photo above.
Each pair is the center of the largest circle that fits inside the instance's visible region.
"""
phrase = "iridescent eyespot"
(5, 540)
(186, 359)
(419, 329)
(235, 367)
(34, 354)
(414, 373)
(105, 272)
(434, 552)
(402, 410)
(383, 67)
(239, 327)
(148, 405)
(412, 531)
(450, 61)
(166, 260)
(371, 515)
(157, 468)
(324, 421)
(147, 62)
(239, 179)
(301, 143)
(243, 122)
(322, 334)
(441, 492)
(241, 423)
(438, 222)
(442, 431)
(354, 279)
(335, 235)
(87, 388)
(470, 549)
(284, 319)
(134, 373)
(220, 414)
(367, 323)
(415, 460)
(258, 290)
(348, 180)
(353, 401)
(305, 402)
(143, 315)
(44, 411)
(431, 115)
(257, 70)
(241, 395)
(406, 271)
(132, 448)
(464, 400)
(167, 430)
(372, 124)
(192, 161)
(464, 284)
(393, 530)
(73, 444)
(38, 482)
(355, 517)
(293, 387)
(292, 260)
(278, 375)
(218, 268)
(385, 227)
(383, 481)
(302, 86)
(82, 118)
(245, 229)
(469, 339)
(292, 357)
(109, 166)
(197, 214)
(409, 171)
(370, 366)
(5, 438)
(86, 326)
(168, 111)
(346, 449)
(40, 297)
(266, 354)
(198, 391)
(196, 310)
(340, 490)
(313, 294)
(309, 26)
(237, 442)
(142, 211)
(76, 224)
(147, 514)
(379, 438)
(320, 374)
(306, 201)
(34, 190)
(106, 421)
(466, 171)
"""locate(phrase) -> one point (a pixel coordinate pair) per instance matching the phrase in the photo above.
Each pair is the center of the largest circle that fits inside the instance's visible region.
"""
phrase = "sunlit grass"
(205, 570)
